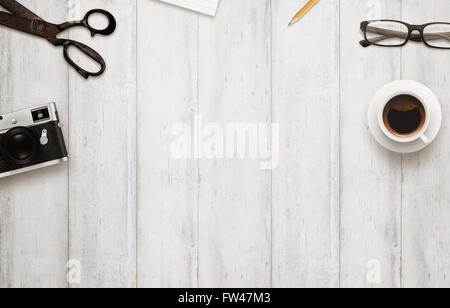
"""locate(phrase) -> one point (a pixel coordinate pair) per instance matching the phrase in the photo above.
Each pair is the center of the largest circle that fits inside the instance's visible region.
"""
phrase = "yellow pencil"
(303, 11)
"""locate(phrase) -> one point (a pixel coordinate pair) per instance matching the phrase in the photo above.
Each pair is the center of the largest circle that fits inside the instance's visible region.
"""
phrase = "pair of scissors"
(24, 20)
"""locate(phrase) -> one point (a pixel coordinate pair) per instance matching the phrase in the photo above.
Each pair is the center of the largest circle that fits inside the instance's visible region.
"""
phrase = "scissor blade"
(18, 9)
(19, 23)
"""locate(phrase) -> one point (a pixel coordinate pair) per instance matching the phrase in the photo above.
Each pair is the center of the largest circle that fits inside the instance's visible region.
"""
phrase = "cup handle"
(425, 139)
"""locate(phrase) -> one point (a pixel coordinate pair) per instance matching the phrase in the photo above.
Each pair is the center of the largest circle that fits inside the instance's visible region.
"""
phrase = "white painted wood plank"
(306, 185)
(225, 65)
(103, 155)
(426, 196)
(33, 206)
(167, 186)
(235, 194)
(370, 175)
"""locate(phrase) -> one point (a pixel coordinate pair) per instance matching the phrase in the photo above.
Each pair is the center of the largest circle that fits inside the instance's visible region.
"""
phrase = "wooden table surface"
(339, 210)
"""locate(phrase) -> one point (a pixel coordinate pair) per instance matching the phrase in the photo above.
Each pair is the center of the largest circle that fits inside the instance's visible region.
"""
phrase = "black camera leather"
(54, 150)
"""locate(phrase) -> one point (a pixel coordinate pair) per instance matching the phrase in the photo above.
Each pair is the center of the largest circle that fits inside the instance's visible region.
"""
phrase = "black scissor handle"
(110, 28)
(87, 51)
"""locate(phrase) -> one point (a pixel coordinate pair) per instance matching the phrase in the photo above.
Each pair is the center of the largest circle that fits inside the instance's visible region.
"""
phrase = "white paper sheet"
(208, 7)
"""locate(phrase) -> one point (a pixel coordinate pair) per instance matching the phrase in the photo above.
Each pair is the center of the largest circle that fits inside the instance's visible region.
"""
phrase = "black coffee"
(404, 115)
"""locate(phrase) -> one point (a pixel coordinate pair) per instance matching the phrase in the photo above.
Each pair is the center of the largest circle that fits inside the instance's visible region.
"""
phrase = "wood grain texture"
(103, 155)
(370, 175)
(235, 194)
(134, 214)
(306, 185)
(167, 185)
(33, 206)
(426, 197)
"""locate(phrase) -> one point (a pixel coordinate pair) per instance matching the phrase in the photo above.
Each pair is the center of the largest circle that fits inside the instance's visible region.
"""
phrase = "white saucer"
(404, 87)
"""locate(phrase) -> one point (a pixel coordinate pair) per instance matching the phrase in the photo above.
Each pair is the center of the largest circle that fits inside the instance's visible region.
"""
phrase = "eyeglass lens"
(387, 33)
(437, 35)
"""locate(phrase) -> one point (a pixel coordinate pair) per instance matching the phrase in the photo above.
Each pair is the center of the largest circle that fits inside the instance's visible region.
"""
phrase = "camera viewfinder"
(41, 114)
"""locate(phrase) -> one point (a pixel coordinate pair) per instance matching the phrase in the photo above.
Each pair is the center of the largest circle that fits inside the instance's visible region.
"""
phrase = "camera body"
(31, 139)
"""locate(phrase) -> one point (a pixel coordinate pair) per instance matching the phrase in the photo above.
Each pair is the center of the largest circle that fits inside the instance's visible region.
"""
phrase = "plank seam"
(401, 175)
(69, 163)
(339, 184)
(271, 121)
(137, 148)
(198, 159)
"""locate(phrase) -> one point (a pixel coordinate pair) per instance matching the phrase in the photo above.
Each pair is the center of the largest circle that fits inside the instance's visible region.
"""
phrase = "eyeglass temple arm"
(415, 37)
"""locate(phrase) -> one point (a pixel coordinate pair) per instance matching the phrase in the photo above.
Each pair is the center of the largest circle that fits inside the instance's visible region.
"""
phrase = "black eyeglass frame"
(411, 37)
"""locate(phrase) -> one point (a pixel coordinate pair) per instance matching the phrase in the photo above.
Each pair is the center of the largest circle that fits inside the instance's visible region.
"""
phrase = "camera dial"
(19, 146)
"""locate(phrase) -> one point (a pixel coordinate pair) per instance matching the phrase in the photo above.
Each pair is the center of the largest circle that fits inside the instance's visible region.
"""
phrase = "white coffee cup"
(420, 132)
(398, 131)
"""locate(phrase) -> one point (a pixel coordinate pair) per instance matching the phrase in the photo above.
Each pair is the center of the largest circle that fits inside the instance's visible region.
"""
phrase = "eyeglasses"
(393, 33)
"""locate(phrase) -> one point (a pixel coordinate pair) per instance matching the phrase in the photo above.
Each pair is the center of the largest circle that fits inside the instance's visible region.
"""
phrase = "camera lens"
(19, 145)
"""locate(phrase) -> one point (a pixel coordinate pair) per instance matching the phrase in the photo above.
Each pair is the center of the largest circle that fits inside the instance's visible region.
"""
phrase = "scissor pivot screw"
(41, 27)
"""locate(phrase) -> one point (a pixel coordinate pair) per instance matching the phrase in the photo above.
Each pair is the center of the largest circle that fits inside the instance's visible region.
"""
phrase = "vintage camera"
(30, 139)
